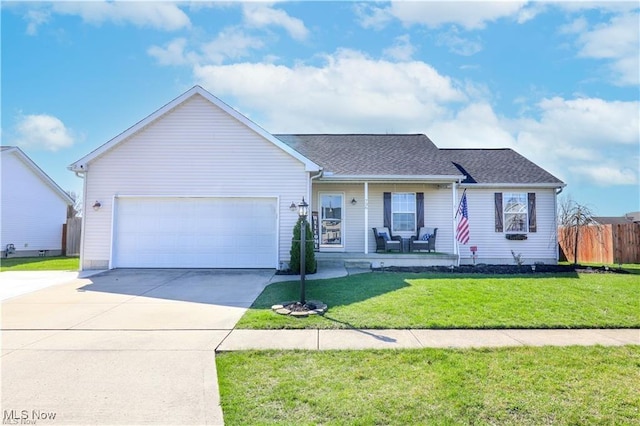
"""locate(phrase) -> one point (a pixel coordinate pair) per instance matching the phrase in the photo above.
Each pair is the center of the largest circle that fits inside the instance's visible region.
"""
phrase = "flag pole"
(455, 217)
(460, 203)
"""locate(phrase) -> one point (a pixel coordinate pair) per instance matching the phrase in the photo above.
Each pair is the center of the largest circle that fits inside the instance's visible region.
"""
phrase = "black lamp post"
(303, 209)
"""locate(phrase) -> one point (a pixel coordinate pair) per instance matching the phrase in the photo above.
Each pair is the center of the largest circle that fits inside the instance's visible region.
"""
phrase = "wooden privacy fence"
(606, 244)
(71, 232)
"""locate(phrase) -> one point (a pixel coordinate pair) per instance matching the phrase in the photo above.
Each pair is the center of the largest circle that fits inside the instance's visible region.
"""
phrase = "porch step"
(357, 264)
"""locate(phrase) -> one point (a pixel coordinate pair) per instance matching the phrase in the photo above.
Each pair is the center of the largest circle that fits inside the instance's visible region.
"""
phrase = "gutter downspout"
(310, 187)
(310, 198)
(555, 215)
(84, 216)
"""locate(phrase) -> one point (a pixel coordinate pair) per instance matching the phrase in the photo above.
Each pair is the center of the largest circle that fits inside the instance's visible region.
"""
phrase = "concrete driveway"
(122, 347)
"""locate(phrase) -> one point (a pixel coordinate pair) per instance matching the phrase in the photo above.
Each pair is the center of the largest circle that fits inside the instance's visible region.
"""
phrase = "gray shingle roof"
(613, 220)
(415, 155)
(498, 166)
(373, 155)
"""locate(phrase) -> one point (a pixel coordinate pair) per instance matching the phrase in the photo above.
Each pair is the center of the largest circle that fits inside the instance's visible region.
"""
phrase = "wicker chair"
(385, 241)
(424, 240)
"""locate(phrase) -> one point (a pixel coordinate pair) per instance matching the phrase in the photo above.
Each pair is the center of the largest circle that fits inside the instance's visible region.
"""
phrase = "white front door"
(331, 220)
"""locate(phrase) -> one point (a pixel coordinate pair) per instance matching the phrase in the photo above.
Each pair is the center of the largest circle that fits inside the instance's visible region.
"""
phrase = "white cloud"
(172, 53)
(583, 138)
(41, 131)
(35, 18)
(530, 11)
(576, 26)
(372, 16)
(471, 15)
(231, 43)
(618, 41)
(475, 126)
(606, 175)
(402, 49)
(457, 44)
(592, 121)
(350, 92)
(166, 16)
(604, 6)
(260, 15)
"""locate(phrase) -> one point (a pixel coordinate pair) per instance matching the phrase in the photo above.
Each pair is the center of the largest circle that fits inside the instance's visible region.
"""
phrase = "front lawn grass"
(507, 386)
(403, 300)
(59, 263)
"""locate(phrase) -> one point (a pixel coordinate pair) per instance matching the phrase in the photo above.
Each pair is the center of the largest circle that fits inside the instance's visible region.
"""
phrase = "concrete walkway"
(17, 283)
(405, 339)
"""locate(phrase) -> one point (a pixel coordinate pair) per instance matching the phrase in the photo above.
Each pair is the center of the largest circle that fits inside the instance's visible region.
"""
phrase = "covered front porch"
(381, 260)
(344, 214)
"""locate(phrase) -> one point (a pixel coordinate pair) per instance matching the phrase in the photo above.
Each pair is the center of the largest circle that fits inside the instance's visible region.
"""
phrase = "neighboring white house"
(34, 208)
(197, 184)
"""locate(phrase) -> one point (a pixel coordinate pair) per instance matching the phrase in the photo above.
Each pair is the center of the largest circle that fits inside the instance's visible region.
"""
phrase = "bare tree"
(76, 209)
(572, 216)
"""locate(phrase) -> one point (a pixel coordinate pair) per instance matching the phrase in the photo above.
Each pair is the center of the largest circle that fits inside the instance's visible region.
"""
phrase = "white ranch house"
(34, 208)
(198, 185)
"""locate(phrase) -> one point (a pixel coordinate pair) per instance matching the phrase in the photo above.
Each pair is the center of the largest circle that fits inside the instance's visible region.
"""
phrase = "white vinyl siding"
(196, 149)
(32, 211)
(493, 247)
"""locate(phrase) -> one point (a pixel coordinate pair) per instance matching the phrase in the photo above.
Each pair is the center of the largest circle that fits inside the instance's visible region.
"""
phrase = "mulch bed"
(504, 269)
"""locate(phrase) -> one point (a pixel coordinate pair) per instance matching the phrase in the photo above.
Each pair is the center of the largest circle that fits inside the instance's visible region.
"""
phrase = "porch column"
(366, 218)
(454, 200)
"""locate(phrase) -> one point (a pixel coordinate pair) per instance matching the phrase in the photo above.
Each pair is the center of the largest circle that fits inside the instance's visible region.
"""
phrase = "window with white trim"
(516, 217)
(403, 211)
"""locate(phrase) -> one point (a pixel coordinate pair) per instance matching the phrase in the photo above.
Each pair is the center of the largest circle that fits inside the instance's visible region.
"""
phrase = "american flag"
(462, 233)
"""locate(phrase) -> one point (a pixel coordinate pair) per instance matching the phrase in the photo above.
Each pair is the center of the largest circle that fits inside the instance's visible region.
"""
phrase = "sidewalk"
(406, 339)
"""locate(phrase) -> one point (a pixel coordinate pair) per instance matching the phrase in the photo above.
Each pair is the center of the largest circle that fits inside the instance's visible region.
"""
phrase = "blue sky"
(556, 81)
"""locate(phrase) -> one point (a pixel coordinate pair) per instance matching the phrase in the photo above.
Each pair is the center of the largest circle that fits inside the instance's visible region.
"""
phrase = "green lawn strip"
(59, 263)
(397, 300)
(524, 385)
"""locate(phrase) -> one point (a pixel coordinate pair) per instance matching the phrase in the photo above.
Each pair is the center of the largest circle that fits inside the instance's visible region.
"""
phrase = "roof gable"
(46, 180)
(81, 164)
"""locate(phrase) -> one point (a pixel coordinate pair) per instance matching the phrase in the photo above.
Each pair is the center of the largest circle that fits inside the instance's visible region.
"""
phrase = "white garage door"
(195, 233)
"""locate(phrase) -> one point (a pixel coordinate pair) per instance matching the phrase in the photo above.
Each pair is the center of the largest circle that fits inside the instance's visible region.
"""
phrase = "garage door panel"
(195, 232)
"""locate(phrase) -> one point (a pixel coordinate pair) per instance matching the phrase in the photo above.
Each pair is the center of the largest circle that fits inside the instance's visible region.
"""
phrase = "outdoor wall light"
(293, 207)
(354, 201)
(97, 205)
